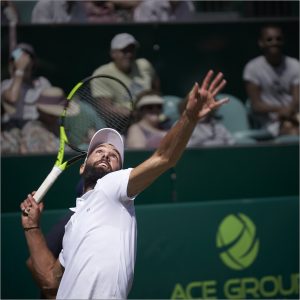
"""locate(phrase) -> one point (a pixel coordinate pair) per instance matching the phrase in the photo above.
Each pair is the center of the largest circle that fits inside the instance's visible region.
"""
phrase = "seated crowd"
(31, 106)
(96, 12)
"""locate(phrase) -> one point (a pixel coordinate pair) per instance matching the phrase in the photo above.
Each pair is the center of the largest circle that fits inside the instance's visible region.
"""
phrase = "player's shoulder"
(117, 174)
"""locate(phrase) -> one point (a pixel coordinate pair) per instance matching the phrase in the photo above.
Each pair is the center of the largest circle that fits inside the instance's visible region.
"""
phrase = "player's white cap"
(109, 136)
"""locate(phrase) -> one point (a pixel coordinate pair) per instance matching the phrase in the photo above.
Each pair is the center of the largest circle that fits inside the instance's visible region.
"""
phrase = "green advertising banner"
(235, 249)
(227, 250)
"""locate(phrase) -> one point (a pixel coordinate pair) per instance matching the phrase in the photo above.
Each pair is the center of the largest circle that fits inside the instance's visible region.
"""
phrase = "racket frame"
(59, 165)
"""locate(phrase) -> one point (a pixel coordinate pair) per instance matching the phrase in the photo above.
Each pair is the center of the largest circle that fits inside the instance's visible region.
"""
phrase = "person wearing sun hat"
(52, 101)
(146, 132)
(42, 135)
(98, 254)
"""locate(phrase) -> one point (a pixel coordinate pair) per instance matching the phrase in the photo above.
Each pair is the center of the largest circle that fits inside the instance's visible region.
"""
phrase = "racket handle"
(45, 186)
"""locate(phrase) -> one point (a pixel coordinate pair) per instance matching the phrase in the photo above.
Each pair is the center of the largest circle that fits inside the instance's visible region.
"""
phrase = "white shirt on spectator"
(210, 134)
(25, 106)
(275, 82)
(49, 11)
(162, 11)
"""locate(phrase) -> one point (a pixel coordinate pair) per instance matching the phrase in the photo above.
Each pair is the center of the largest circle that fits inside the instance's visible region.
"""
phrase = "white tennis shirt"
(99, 245)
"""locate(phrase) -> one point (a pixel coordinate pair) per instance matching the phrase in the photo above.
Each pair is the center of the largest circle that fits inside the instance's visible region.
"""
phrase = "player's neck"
(88, 188)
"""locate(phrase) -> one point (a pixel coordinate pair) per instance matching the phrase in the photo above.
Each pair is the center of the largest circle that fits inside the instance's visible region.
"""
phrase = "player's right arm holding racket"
(45, 268)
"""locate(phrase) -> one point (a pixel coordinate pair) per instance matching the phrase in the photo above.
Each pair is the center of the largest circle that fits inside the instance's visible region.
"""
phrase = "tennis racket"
(95, 102)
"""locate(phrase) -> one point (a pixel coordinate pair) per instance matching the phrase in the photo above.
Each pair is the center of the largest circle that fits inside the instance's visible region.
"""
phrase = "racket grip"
(48, 182)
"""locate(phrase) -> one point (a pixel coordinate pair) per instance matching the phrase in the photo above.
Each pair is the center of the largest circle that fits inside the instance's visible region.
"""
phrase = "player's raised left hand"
(201, 100)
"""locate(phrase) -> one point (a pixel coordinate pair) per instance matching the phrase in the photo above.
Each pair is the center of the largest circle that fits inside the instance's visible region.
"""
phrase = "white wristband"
(19, 72)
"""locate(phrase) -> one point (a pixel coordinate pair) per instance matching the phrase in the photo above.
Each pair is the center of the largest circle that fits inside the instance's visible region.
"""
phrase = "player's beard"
(91, 174)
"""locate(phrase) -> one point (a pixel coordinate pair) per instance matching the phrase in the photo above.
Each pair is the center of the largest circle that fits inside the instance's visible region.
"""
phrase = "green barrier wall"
(202, 174)
(246, 248)
(238, 172)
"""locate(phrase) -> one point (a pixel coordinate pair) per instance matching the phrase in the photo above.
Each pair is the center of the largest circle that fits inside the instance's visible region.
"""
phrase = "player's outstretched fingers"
(219, 88)
(194, 91)
(207, 80)
(220, 102)
(216, 82)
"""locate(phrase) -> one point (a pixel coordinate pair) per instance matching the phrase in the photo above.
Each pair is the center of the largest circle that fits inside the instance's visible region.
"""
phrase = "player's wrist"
(190, 115)
(31, 228)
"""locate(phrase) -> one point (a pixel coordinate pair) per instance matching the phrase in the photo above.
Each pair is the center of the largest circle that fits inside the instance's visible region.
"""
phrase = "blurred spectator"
(10, 141)
(170, 110)
(208, 132)
(100, 12)
(20, 93)
(136, 73)
(84, 124)
(41, 135)
(61, 11)
(272, 84)
(9, 13)
(164, 11)
(146, 131)
(58, 11)
(125, 9)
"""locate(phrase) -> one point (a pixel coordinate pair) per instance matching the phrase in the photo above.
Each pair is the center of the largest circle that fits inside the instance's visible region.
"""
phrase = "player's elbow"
(49, 293)
(170, 162)
(165, 161)
(49, 285)
(48, 279)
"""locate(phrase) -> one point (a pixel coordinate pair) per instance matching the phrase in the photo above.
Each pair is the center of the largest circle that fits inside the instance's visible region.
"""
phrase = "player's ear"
(81, 169)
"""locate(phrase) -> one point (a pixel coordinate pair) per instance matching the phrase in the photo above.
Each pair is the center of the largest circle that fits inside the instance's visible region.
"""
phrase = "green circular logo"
(237, 241)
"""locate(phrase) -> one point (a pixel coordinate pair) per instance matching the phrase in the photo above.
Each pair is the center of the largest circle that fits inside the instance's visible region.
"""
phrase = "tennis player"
(99, 244)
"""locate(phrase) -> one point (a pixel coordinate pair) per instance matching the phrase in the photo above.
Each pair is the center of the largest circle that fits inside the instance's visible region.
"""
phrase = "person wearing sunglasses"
(272, 85)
